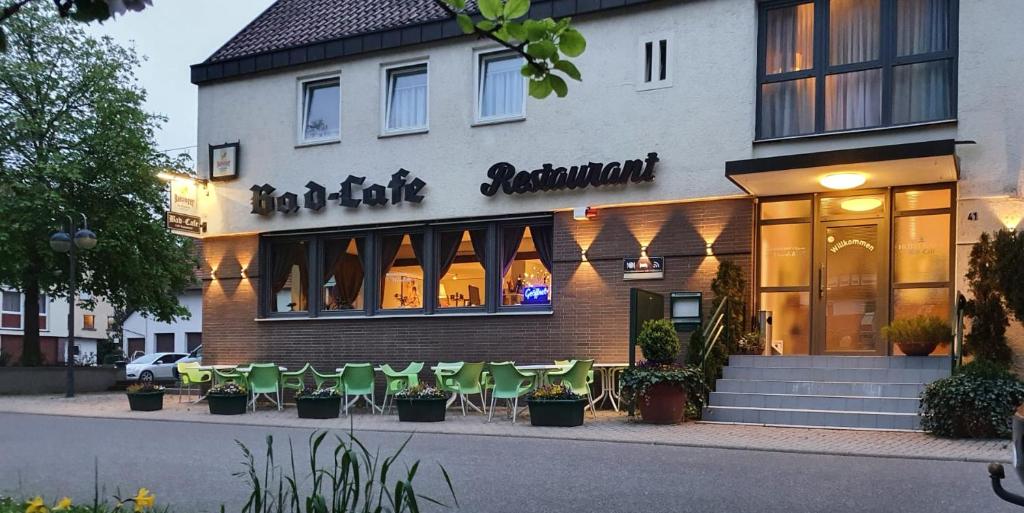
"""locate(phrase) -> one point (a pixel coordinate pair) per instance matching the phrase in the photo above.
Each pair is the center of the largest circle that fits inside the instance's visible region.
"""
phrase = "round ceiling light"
(842, 181)
(861, 204)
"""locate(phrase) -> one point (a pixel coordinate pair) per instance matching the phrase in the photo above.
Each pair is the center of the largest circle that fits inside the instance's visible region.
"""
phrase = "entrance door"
(852, 279)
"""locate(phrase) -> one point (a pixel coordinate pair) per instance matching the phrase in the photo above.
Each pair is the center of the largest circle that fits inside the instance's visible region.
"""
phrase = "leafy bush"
(636, 380)
(659, 341)
(977, 401)
(553, 393)
(228, 389)
(921, 328)
(730, 285)
(987, 337)
(420, 392)
(750, 343)
(318, 393)
(145, 388)
(1008, 246)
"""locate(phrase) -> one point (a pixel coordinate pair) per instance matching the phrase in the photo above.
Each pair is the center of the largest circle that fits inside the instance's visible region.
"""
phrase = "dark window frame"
(312, 251)
(497, 283)
(888, 61)
(316, 274)
(488, 269)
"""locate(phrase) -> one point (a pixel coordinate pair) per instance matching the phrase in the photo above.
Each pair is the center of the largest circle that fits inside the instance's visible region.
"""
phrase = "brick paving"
(607, 427)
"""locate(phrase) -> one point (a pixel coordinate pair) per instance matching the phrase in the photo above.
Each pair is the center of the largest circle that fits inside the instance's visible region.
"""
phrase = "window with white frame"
(405, 104)
(501, 87)
(10, 309)
(655, 65)
(43, 312)
(320, 117)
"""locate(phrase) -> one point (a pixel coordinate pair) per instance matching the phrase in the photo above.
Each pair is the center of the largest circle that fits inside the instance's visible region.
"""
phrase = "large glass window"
(343, 274)
(801, 93)
(526, 254)
(501, 86)
(406, 104)
(401, 267)
(289, 276)
(321, 110)
(784, 238)
(460, 262)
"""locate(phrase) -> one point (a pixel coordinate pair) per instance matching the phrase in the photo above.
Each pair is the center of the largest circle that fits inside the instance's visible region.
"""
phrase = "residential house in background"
(145, 335)
(92, 325)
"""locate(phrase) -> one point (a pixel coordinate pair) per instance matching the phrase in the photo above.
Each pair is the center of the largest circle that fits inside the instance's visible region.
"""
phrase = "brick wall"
(591, 300)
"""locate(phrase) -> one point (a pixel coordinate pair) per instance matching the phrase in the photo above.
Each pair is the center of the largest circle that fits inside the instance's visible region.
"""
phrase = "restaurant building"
(383, 189)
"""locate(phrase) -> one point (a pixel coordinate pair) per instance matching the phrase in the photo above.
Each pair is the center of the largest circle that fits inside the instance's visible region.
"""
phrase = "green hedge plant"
(978, 401)
(659, 341)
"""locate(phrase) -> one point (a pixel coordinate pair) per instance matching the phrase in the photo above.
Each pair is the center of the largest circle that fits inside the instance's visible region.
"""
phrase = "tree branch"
(11, 9)
(489, 34)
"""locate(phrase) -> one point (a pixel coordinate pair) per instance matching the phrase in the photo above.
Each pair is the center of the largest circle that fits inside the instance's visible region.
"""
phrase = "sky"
(172, 35)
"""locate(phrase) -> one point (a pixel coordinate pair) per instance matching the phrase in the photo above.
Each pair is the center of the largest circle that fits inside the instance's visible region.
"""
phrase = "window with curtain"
(401, 271)
(501, 87)
(526, 259)
(867, 44)
(342, 275)
(10, 309)
(321, 110)
(461, 255)
(289, 276)
(406, 104)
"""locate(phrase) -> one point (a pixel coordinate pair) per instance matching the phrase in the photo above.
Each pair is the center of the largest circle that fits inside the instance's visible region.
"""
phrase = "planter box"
(147, 401)
(421, 410)
(319, 408)
(51, 380)
(227, 404)
(560, 413)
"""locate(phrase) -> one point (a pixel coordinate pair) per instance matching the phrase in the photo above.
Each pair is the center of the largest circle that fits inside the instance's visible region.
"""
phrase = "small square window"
(320, 116)
(501, 87)
(88, 322)
(655, 65)
(405, 104)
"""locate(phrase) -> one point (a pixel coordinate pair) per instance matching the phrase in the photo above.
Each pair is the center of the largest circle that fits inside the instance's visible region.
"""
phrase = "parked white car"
(153, 367)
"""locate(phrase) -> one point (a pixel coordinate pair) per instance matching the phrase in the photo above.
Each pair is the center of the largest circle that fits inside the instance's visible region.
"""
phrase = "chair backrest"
(264, 378)
(564, 363)
(357, 377)
(449, 365)
(576, 377)
(413, 368)
(507, 377)
(194, 375)
(467, 378)
(389, 372)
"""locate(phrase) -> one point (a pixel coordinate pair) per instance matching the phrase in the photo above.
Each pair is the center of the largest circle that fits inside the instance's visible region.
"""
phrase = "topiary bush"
(659, 341)
(977, 401)
(986, 339)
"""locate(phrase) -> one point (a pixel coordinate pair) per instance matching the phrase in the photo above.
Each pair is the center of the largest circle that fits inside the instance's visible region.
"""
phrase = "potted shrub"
(145, 397)
(658, 385)
(421, 404)
(228, 399)
(318, 403)
(555, 405)
(918, 336)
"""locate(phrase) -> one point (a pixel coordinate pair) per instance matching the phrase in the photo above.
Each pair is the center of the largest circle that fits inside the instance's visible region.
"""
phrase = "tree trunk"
(30, 354)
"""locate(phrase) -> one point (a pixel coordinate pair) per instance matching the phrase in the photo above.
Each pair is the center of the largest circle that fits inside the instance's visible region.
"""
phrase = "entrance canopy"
(871, 167)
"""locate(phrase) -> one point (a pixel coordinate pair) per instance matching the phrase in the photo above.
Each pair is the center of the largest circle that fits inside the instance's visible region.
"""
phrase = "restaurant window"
(10, 309)
(865, 45)
(401, 271)
(405, 106)
(784, 238)
(343, 274)
(526, 258)
(89, 322)
(501, 91)
(460, 262)
(288, 276)
(320, 117)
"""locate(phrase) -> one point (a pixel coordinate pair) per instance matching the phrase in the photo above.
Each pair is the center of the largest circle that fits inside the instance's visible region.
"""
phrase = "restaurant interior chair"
(332, 380)
(465, 382)
(265, 379)
(221, 377)
(510, 384)
(294, 380)
(358, 381)
(192, 376)
(577, 379)
(399, 380)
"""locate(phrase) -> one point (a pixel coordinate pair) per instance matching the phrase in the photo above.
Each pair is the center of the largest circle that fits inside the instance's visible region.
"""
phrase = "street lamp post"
(61, 242)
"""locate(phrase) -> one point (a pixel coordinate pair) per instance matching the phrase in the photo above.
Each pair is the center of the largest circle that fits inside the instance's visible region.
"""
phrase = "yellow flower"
(143, 499)
(36, 505)
(63, 505)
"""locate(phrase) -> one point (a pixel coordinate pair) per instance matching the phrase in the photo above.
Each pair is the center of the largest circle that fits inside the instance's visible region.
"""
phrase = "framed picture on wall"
(224, 161)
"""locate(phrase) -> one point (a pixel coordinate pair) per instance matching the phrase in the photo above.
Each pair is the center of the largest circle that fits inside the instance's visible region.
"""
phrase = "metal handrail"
(957, 354)
(715, 328)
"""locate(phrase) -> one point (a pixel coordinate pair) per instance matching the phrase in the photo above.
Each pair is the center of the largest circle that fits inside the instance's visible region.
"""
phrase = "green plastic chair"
(565, 364)
(466, 381)
(510, 384)
(358, 380)
(334, 379)
(443, 372)
(264, 379)
(399, 380)
(184, 384)
(576, 379)
(221, 377)
(294, 380)
(191, 376)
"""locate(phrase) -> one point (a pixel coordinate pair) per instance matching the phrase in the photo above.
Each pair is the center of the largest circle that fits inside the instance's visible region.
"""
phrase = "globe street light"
(61, 242)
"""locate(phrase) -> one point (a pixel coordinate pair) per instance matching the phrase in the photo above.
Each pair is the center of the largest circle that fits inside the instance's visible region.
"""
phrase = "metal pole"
(70, 360)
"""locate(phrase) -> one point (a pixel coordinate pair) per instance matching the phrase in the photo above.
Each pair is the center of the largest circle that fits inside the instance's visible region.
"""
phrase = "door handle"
(821, 281)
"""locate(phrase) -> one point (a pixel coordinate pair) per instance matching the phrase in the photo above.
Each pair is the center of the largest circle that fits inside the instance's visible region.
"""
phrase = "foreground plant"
(143, 501)
(978, 401)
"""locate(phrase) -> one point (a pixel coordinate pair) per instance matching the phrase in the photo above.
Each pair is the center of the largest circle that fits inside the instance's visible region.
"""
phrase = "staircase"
(864, 392)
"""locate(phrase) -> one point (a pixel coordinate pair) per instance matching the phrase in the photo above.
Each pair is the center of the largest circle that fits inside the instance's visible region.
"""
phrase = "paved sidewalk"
(608, 427)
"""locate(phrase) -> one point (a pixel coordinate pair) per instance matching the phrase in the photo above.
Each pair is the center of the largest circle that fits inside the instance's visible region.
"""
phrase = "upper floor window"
(89, 322)
(320, 110)
(501, 87)
(835, 65)
(405, 106)
(12, 308)
(655, 65)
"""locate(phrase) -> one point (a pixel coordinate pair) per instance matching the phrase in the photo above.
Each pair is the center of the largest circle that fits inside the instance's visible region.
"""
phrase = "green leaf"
(516, 8)
(526, 70)
(541, 49)
(535, 30)
(516, 30)
(465, 23)
(485, 25)
(569, 69)
(540, 89)
(558, 85)
(572, 43)
(490, 9)
(457, 4)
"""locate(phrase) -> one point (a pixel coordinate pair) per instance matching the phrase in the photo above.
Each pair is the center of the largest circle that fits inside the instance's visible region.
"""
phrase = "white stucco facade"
(140, 326)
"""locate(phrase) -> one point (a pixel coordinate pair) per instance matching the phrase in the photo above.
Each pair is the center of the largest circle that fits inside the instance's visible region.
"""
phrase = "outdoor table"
(540, 372)
(609, 389)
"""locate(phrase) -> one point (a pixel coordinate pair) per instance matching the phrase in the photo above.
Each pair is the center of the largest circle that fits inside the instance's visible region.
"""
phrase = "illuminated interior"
(402, 283)
(462, 282)
(527, 280)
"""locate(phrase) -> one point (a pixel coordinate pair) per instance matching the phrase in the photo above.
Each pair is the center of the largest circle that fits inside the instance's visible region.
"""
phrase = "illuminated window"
(526, 265)
(289, 276)
(460, 261)
(343, 275)
(401, 266)
(89, 322)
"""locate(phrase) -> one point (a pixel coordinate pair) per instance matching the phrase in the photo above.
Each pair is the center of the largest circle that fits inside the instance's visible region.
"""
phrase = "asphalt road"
(190, 466)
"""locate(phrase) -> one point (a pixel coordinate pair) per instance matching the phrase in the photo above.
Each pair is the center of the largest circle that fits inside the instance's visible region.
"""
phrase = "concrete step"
(870, 375)
(843, 362)
(828, 388)
(812, 418)
(816, 402)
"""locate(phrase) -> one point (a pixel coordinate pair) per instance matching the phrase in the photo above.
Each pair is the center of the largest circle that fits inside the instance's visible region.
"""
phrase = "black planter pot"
(421, 410)
(146, 401)
(559, 413)
(227, 404)
(318, 407)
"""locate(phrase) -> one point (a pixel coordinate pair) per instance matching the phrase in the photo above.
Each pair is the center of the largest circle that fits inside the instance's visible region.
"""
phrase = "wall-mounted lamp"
(643, 251)
(584, 213)
(244, 272)
(213, 273)
(707, 250)
(583, 255)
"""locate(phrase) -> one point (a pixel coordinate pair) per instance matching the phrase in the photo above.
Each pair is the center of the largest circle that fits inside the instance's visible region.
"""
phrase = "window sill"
(404, 316)
(309, 144)
(498, 121)
(806, 137)
(399, 133)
